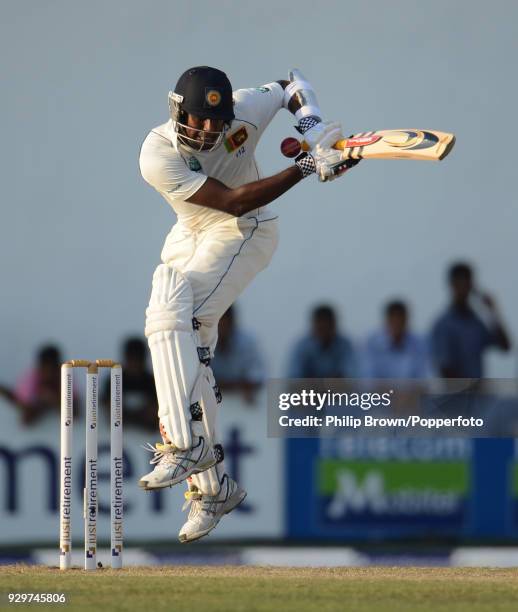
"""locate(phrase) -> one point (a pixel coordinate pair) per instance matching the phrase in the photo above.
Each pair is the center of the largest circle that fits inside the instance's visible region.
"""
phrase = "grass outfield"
(230, 589)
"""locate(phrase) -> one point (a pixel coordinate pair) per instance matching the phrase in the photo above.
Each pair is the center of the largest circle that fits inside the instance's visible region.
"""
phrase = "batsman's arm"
(246, 198)
(294, 104)
(241, 200)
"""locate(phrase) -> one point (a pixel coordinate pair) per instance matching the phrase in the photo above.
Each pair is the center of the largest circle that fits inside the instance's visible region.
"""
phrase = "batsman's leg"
(186, 408)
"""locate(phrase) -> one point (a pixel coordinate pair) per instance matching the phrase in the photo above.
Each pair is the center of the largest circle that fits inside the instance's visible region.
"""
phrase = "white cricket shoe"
(174, 465)
(207, 510)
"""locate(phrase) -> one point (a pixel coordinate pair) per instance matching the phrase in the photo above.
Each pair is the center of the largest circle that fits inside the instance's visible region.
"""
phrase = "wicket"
(116, 462)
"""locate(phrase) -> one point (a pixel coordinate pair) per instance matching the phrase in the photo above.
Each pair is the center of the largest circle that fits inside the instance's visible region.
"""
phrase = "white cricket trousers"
(219, 263)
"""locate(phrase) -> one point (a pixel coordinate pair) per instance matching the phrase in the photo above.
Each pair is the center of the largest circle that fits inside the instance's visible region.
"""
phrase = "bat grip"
(340, 145)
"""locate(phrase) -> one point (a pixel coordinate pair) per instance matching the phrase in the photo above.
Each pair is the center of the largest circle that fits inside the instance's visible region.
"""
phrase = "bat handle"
(340, 145)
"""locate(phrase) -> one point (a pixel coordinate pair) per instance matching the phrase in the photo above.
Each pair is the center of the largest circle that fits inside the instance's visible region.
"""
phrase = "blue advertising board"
(400, 488)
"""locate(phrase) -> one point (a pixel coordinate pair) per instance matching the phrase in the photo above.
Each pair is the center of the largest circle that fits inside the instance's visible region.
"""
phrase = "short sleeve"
(489, 336)
(258, 105)
(421, 359)
(441, 348)
(297, 360)
(25, 390)
(165, 170)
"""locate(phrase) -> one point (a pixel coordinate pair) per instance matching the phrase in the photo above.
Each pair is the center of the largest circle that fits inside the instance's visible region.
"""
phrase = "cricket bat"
(386, 144)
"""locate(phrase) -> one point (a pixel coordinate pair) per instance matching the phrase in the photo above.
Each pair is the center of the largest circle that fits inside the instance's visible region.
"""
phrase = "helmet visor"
(196, 132)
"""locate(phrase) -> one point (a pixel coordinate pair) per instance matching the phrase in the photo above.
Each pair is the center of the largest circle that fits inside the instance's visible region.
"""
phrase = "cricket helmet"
(206, 93)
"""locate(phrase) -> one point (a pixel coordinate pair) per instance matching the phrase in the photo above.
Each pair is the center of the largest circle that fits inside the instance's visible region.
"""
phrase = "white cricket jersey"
(177, 172)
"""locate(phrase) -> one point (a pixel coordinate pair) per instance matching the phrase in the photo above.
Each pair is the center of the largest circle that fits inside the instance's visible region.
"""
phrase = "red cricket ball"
(290, 147)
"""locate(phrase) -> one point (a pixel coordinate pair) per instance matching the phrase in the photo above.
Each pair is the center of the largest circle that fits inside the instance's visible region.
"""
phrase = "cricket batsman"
(202, 161)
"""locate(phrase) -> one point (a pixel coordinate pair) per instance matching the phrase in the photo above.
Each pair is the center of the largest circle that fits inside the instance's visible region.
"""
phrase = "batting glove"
(318, 132)
(328, 164)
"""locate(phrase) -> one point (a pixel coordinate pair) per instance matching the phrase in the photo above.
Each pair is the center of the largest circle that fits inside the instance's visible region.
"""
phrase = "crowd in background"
(453, 348)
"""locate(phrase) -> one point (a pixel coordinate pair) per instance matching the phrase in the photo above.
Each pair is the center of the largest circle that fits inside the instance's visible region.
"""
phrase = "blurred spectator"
(138, 386)
(469, 326)
(37, 392)
(394, 351)
(324, 352)
(237, 363)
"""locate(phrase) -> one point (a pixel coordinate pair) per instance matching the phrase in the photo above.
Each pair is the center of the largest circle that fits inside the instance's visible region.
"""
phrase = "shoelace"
(161, 453)
(200, 502)
(168, 455)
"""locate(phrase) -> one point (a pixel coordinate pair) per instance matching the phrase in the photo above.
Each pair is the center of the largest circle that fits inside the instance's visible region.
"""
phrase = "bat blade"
(397, 144)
